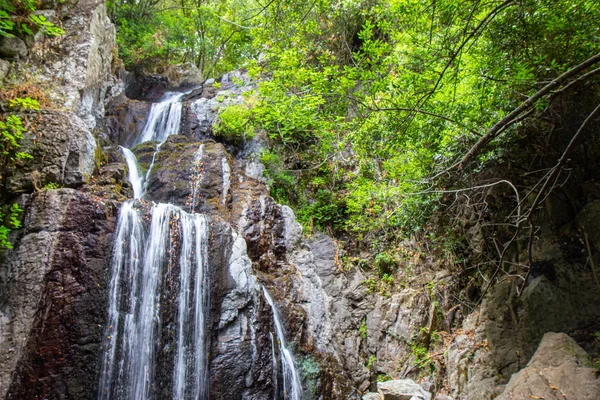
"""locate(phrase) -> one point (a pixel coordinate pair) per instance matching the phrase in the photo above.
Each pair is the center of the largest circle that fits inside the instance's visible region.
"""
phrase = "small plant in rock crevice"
(363, 328)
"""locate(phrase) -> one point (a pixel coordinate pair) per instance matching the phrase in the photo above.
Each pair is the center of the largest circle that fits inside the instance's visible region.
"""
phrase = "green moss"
(100, 157)
(310, 371)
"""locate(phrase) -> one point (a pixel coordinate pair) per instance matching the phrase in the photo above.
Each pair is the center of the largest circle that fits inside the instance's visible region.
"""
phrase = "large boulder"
(12, 47)
(63, 151)
(125, 119)
(558, 370)
(195, 176)
(4, 69)
(402, 389)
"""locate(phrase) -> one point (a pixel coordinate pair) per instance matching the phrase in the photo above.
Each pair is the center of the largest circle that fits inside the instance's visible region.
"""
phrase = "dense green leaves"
(17, 17)
(160, 33)
(364, 101)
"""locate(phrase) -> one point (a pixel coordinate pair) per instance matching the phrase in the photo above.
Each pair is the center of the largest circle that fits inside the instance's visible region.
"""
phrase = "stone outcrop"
(559, 369)
(53, 283)
(52, 297)
(500, 338)
(63, 153)
(402, 389)
(125, 119)
(13, 47)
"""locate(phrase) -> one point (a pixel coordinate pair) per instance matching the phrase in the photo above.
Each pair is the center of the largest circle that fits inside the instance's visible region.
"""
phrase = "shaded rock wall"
(53, 303)
(52, 284)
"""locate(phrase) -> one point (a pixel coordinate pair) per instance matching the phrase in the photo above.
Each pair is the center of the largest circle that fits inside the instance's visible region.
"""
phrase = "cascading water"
(164, 118)
(141, 258)
(292, 387)
(134, 174)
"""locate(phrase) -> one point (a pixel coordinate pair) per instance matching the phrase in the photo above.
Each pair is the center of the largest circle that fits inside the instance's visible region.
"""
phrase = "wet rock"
(241, 355)
(139, 86)
(125, 119)
(559, 369)
(52, 297)
(177, 175)
(63, 151)
(12, 47)
(402, 389)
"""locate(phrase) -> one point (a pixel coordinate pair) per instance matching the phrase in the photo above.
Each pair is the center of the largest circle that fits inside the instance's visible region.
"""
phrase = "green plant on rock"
(9, 220)
(12, 130)
(372, 360)
(421, 355)
(50, 186)
(362, 331)
(11, 133)
(381, 377)
(18, 18)
(371, 285)
(235, 124)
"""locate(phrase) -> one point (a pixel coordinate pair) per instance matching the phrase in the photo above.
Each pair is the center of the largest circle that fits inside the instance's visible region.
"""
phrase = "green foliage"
(9, 220)
(50, 186)
(235, 124)
(160, 32)
(381, 377)
(421, 355)
(371, 362)
(12, 130)
(371, 285)
(362, 331)
(18, 18)
(11, 135)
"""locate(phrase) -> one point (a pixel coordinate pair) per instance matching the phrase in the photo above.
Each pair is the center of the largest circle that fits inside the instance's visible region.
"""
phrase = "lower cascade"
(144, 274)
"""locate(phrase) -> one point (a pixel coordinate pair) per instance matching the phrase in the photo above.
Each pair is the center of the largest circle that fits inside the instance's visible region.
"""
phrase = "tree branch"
(512, 116)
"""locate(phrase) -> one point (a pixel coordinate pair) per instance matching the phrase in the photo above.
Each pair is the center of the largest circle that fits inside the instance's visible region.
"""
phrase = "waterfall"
(134, 174)
(164, 118)
(139, 262)
(142, 261)
(126, 262)
(226, 178)
(292, 387)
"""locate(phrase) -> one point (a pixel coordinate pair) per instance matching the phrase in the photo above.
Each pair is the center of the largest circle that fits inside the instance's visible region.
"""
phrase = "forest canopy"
(381, 109)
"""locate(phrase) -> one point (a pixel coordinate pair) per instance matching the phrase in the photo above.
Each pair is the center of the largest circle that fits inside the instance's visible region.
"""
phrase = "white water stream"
(164, 118)
(292, 386)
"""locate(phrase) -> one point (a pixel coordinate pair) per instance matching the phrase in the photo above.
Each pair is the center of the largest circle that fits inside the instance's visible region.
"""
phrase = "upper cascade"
(164, 118)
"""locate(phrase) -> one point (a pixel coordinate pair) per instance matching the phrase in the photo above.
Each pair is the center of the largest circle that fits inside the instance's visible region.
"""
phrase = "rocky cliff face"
(52, 296)
(54, 285)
